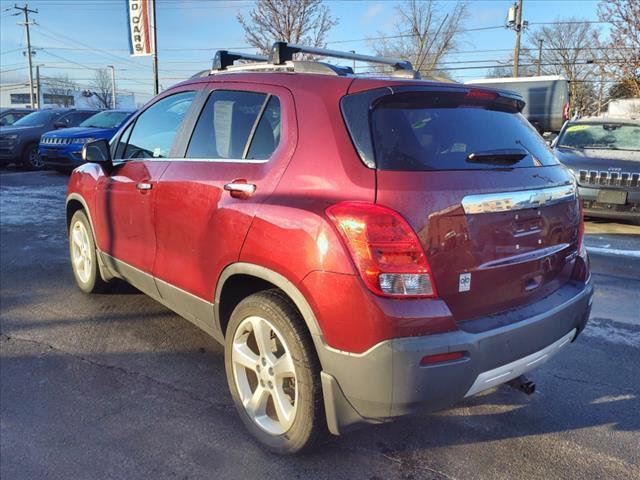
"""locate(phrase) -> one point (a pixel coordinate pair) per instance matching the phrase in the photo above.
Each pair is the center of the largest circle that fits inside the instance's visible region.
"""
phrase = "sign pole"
(156, 88)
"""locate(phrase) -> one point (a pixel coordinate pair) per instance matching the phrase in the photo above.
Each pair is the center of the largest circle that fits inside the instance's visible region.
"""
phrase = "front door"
(125, 203)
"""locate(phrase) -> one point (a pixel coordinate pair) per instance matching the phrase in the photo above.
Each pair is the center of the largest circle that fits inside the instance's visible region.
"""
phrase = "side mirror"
(98, 152)
(60, 124)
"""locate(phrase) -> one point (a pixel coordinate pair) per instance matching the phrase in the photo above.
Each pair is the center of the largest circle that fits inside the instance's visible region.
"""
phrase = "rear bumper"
(388, 381)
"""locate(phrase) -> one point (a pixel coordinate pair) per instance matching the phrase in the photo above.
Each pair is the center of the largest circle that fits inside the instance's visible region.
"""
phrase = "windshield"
(105, 120)
(424, 131)
(36, 118)
(604, 136)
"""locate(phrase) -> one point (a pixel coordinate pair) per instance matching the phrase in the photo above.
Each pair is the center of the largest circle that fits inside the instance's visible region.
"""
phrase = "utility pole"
(26, 11)
(38, 94)
(515, 22)
(540, 42)
(156, 90)
(113, 86)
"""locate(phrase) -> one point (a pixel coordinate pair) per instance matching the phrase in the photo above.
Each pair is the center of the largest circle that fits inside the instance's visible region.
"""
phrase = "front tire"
(84, 258)
(31, 159)
(273, 373)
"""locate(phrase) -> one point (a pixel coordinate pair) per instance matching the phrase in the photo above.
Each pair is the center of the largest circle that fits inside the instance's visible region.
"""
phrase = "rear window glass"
(437, 131)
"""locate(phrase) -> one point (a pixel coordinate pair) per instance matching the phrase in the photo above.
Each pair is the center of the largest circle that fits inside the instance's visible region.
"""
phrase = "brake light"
(481, 95)
(384, 248)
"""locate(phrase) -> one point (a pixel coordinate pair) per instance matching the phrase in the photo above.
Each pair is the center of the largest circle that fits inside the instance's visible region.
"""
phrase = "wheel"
(31, 158)
(82, 250)
(273, 373)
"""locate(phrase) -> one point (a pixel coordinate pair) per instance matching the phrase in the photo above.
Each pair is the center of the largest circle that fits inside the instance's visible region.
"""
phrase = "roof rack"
(225, 58)
(281, 59)
(282, 52)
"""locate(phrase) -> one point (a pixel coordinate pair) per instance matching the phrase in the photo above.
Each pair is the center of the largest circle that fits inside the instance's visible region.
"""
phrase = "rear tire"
(83, 254)
(31, 159)
(274, 382)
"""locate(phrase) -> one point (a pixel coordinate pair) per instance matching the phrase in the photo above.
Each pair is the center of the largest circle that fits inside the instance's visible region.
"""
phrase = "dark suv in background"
(19, 142)
(9, 116)
(365, 248)
(604, 156)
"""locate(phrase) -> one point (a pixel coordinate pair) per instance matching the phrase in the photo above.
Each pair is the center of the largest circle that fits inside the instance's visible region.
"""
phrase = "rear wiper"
(507, 156)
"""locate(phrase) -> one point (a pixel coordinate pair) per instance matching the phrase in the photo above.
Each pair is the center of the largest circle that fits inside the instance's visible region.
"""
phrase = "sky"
(74, 37)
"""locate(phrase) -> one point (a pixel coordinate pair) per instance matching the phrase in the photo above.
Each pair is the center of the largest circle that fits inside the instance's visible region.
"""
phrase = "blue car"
(62, 149)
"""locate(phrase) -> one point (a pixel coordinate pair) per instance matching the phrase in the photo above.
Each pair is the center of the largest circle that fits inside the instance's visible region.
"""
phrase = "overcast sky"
(73, 36)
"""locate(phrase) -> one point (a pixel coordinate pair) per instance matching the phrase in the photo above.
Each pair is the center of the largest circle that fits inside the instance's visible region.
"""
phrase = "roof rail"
(282, 52)
(225, 58)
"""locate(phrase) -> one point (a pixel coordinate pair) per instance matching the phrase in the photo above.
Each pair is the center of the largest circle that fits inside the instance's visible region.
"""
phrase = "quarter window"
(236, 125)
(156, 127)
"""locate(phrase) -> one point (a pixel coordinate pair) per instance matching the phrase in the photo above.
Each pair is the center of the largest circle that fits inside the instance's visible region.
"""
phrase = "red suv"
(365, 248)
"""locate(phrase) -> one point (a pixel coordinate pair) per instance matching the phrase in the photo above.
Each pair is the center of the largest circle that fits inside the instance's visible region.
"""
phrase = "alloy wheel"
(264, 375)
(81, 252)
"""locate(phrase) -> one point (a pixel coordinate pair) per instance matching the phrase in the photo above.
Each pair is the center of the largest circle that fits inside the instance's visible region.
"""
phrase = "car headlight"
(82, 140)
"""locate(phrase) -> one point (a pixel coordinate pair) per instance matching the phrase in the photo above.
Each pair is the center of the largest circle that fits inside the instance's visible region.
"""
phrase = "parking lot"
(117, 386)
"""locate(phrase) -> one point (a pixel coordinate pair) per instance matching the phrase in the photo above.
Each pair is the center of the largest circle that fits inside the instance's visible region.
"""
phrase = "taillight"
(565, 111)
(385, 249)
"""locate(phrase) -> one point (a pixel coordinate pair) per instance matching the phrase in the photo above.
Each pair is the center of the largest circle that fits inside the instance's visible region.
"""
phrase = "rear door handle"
(144, 186)
(240, 189)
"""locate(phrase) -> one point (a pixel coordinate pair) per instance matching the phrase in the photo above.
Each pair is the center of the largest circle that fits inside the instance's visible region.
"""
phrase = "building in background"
(17, 96)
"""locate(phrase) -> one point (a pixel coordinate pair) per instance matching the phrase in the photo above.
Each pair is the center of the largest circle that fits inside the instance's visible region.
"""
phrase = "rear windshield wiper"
(498, 157)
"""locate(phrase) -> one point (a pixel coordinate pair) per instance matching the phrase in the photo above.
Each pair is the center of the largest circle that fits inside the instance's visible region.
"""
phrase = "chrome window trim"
(121, 161)
(518, 200)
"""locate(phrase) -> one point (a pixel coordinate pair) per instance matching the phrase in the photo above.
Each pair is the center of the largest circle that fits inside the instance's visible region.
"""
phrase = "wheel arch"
(260, 278)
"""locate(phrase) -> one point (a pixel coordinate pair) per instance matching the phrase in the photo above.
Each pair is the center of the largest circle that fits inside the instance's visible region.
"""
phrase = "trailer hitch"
(523, 384)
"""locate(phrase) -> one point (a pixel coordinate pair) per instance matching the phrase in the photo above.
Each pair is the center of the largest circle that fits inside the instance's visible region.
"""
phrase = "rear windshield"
(452, 131)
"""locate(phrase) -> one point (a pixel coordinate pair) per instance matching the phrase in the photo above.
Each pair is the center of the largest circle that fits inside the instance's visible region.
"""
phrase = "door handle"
(240, 189)
(144, 186)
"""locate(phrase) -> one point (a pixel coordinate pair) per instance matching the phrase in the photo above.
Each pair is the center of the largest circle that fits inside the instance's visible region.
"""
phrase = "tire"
(289, 348)
(31, 158)
(82, 252)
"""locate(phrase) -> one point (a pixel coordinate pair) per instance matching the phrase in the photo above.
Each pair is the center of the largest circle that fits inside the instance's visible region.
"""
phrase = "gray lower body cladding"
(388, 381)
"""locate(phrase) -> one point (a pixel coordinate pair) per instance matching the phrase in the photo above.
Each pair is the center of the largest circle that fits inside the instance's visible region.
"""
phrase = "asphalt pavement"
(116, 386)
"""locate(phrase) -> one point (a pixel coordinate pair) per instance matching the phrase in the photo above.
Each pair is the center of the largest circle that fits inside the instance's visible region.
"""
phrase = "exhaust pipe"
(523, 384)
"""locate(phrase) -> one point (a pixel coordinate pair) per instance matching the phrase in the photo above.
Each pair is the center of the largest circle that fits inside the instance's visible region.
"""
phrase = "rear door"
(497, 215)
(241, 143)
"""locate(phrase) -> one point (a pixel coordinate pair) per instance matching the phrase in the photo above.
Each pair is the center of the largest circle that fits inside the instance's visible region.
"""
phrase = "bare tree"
(424, 35)
(101, 89)
(621, 51)
(505, 69)
(567, 51)
(295, 21)
(60, 91)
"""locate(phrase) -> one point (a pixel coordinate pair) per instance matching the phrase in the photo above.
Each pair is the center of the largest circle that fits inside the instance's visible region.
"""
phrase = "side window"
(155, 129)
(228, 122)
(66, 119)
(267, 134)
(122, 142)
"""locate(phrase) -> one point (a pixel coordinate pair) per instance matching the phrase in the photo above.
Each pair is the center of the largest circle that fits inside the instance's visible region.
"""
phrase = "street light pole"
(38, 93)
(540, 42)
(26, 11)
(113, 86)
